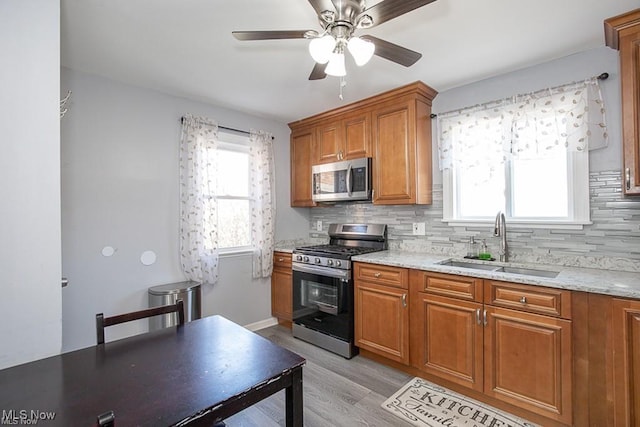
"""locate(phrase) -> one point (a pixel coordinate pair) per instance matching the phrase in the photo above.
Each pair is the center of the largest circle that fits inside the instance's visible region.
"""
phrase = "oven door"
(323, 300)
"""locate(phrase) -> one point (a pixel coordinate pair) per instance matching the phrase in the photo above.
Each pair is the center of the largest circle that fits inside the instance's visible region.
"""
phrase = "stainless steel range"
(323, 285)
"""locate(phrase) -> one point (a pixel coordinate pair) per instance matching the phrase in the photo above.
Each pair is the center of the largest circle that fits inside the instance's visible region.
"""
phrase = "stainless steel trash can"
(188, 292)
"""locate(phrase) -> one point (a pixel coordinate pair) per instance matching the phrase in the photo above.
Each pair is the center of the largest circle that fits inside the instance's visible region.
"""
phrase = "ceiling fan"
(339, 20)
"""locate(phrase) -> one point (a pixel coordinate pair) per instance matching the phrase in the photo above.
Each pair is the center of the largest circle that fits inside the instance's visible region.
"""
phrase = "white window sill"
(559, 225)
(230, 253)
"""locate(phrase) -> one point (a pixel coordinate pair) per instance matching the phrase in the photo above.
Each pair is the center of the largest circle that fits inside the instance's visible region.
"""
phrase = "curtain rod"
(603, 76)
(229, 129)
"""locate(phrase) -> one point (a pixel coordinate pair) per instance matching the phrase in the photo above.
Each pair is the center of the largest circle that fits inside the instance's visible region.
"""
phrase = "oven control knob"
(330, 262)
(338, 263)
(317, 260)
(298, 257)
(306, 259)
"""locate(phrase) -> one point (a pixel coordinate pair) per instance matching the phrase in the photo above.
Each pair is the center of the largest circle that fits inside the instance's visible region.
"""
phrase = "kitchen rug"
(425, 404)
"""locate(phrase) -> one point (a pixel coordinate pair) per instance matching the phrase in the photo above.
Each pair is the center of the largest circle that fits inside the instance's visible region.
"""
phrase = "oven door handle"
(321, 271)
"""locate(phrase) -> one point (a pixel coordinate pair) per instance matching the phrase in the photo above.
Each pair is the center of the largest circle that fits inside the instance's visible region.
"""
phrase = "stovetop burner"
(346, 241)
(335, 250)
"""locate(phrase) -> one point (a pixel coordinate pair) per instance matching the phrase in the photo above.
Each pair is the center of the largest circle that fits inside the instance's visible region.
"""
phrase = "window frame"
(229, 141)
(577, 192)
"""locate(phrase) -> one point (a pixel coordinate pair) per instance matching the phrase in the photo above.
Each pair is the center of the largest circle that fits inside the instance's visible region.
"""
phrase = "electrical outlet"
(419, 229)
(318, 225)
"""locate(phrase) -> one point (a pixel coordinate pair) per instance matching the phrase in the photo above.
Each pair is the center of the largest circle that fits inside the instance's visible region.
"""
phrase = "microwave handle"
(349, 171)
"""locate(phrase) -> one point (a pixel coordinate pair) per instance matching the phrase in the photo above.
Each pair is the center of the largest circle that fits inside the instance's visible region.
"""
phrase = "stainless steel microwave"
(349, 180)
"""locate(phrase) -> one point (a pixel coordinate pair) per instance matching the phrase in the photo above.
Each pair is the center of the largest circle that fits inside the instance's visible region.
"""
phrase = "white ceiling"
(185, 47)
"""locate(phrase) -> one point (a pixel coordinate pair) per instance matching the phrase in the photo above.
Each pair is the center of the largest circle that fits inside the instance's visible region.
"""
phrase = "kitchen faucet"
(500, 230)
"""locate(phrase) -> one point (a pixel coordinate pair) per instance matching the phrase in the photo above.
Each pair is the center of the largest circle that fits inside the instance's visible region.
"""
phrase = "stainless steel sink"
(528, 271)
(463, 264)
(500, 269)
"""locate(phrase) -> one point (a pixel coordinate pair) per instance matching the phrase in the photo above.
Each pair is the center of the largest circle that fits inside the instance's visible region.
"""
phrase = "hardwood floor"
(337, 391)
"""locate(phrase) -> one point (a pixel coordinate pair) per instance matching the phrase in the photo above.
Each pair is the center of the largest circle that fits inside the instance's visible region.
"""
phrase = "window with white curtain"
(227, 198)
(527, 156)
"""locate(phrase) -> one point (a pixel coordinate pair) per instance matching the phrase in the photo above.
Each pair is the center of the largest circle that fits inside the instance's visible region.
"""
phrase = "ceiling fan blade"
(318, 72)
(321, 5)
(389, 9)
(269, 35)
(393, 52)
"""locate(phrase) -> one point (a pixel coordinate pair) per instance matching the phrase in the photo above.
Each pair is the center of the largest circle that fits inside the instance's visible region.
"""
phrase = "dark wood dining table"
(195, 374)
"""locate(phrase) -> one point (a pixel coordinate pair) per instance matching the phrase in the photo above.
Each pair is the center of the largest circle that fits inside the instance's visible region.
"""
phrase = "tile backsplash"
(612, 241)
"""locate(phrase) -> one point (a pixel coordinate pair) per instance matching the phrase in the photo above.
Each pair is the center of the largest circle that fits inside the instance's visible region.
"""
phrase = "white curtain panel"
(263, 204)
(569, 117)
(198, 206)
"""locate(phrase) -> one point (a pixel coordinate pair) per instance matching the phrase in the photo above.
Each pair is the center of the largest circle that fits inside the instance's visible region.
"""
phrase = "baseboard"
(272, 321)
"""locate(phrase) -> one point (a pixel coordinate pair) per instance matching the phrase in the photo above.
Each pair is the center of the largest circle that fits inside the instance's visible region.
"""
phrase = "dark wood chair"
(102, 322)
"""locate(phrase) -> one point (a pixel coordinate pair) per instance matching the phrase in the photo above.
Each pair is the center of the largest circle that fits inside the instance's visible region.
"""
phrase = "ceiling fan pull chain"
(343, 83)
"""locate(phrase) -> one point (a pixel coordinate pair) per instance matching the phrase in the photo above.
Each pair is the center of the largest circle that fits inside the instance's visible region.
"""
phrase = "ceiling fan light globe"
(321, 48)
(336, 66)
(361, 50)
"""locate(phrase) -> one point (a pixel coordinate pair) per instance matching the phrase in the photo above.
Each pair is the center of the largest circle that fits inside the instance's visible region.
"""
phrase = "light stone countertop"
(608, 282)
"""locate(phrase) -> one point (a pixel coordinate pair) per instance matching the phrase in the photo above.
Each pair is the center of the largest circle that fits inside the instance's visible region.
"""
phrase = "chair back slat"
(103, 322)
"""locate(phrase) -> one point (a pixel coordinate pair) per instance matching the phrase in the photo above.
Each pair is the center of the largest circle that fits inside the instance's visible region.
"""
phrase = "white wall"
(120, 189)
(30, 185)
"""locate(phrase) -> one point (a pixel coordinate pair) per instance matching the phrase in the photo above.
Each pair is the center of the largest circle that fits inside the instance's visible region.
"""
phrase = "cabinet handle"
(404, 300)
(628, 178)
(523, 300)
(484, 314)
(377, 275)
(478, 321)
(280, 259)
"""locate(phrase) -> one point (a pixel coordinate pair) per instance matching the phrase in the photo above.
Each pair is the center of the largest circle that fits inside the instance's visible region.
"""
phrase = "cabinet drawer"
(467, 288)
(534, 299)
(383, 275)
(282, 260)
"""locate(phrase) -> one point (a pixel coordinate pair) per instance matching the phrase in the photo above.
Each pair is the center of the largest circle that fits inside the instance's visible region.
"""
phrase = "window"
(231, 165)
(226, 198)
(526, 157)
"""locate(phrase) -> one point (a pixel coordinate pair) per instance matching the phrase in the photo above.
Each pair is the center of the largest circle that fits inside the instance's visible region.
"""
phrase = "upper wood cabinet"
(348, 138)
(394, 128)
(302, 152)
(623, 33)
(401, 132)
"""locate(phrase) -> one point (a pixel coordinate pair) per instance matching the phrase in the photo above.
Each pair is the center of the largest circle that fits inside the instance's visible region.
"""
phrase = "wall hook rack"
(63, 102)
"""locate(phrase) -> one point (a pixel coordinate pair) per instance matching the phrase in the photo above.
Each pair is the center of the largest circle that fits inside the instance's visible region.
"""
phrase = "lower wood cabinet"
(446, 338)
(281, 287)
(626, 362)
(381, 311)
(528, 362)
(460, 333)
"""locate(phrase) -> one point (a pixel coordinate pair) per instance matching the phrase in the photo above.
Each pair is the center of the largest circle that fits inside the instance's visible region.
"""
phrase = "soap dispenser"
(484, 251)
(472, 250)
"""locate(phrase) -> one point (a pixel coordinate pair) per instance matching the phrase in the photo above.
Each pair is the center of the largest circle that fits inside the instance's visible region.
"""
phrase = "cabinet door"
(623, 33)
(629, 72)
(382, 321)
(393, 168)
(528, 362)
(447, 338)
(357, 136)
(330, 140)
(626, 363)
(302, 148)
(281, 294)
